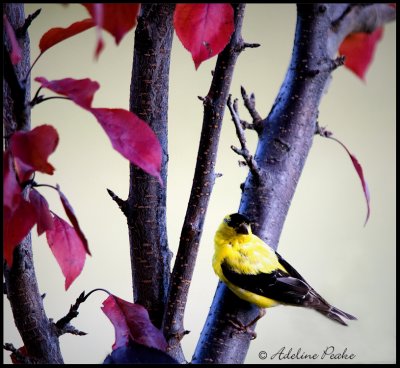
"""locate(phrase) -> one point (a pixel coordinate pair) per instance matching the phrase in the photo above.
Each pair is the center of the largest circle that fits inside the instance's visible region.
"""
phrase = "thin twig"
(21, 32)
(244, 152)
(250, 104)
(68, 328)
(39, 99)
(120, 202)
(245, 45)
(63, 324)
(322, 131)
(328, 67)
(73, 312)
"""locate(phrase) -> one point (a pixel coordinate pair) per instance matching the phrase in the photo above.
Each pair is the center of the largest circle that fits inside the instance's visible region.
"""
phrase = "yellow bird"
(259, 275)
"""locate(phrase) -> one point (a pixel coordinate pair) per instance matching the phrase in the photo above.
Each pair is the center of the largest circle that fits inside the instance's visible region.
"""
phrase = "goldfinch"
(259, 275)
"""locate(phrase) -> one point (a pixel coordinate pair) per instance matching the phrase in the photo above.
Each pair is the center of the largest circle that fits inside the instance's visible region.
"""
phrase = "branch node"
(328, 67)
(322, 131)
(62, 325)
(250, 104)
(245, 45)
(68, 328)
(177, 336)
(20, 32)
(120, 202)
(243, 151)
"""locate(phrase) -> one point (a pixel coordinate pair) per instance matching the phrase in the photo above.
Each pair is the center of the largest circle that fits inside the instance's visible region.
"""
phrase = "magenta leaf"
(360, 174)
(16, 52)
(132, 323)
(16, 225)
(19, 215)
(204, 29)
(129, 134)
(31, 150)
(132, 138)
(67, 248)
(118, 19)
(74, 221)
(44, 219)
(81, 91)
(56, 35)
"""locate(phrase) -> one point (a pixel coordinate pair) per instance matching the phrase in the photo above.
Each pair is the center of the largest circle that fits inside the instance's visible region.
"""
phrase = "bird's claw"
(241, 328)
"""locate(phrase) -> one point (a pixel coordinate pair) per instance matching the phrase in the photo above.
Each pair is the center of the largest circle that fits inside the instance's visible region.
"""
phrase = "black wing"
(277, 285)
(289, 268)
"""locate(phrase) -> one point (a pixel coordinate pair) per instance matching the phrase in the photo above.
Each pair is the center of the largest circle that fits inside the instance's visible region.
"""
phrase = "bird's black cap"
(238, 222)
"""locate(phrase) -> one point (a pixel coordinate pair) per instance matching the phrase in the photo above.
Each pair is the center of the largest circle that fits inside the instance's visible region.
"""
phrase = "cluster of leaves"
(204, 30)
(28, 152)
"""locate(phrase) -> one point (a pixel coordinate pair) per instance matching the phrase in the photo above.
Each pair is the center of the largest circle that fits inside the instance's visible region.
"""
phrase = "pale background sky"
(352, 266)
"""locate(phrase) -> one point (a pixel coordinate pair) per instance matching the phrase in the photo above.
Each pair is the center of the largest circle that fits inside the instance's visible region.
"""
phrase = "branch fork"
(244, 151)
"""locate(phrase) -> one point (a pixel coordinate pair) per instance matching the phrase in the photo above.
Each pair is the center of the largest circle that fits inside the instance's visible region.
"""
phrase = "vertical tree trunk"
(203, 183)
(146, 204)
(37, 332)
(284, 142)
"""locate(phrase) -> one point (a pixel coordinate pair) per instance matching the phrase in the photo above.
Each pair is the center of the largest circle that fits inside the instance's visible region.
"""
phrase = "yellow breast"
(246, 254)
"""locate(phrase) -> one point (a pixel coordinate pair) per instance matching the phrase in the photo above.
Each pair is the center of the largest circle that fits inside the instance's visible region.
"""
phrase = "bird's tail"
(334, 313)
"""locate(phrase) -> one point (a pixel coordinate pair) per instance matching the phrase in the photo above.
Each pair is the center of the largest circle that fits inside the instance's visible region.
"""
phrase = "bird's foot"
(241, 328)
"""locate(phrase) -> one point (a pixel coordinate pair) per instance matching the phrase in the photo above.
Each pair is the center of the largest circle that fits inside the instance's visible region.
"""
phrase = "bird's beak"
(244, 228)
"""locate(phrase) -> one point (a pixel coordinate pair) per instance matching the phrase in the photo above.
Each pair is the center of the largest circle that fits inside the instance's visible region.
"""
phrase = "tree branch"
(283, 146)
(37, 332)
(250, 104)
(21, 32)
(146, 204)
(244, 152)
(203, 182)
(63, 324)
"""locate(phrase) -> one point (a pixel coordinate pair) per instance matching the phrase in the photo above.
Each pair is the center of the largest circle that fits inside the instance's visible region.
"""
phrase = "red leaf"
(56, 35)
(67, 248)
(360, 173)
(118, 19)
(359, 49)
(16, 52)
(81, 91)
(71, 215)
(98, 19)
(16, 225)
(204, 29)
(132, 138)
(19, 215)
(44, 219)
(31, 150)
(129, 135)
(131, 322)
